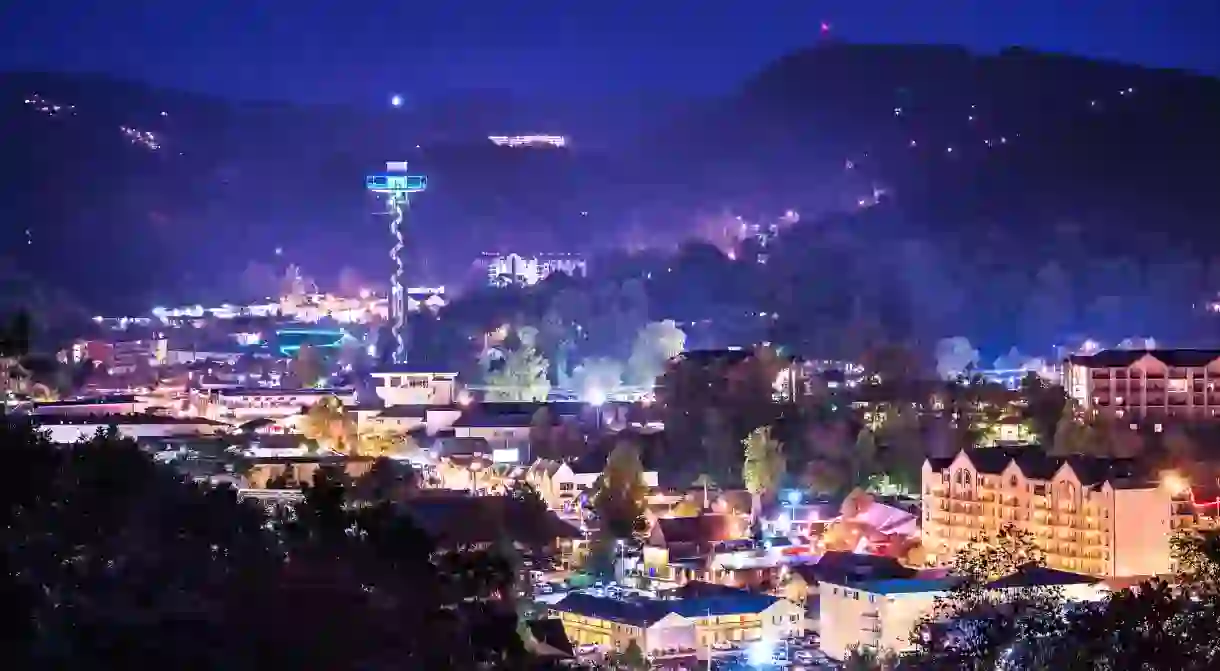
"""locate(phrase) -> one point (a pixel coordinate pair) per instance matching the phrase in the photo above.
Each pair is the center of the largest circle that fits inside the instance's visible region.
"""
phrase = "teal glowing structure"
(291, 340)
(397, 186)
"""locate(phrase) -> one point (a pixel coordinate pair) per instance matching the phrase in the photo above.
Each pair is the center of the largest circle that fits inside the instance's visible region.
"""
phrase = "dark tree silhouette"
(112, 561)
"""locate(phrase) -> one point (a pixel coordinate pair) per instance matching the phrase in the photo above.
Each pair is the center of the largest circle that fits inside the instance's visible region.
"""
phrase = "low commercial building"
(118, 404)
(244, 404)
(68, 429)
(678, 627)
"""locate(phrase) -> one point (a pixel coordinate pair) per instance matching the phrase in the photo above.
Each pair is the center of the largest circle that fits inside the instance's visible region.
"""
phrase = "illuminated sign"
(396, 183)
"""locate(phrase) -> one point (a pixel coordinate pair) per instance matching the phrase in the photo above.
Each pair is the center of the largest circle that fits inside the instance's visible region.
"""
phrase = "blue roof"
(903, 585)
(743, 603)
(95, 400)
(644, 612)
(412, 367)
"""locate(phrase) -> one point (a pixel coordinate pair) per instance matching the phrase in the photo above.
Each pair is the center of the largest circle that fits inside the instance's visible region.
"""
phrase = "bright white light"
(1175, 483)
(396, 100)
(794, 497)
(596, 397)
(761, 653)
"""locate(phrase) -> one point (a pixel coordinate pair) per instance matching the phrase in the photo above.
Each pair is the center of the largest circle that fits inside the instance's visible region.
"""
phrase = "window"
(1012, 481)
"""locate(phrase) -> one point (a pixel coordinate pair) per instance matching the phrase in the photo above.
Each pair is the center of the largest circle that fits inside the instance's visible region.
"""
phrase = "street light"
(597, 398)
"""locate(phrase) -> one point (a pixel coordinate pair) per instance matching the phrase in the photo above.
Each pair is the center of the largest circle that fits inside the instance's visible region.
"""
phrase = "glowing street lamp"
(1174, 482)
(597, 398)
(761, 653)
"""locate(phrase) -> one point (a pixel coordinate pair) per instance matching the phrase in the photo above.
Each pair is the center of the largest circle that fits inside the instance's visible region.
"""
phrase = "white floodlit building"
(513, 269)
(528, 140)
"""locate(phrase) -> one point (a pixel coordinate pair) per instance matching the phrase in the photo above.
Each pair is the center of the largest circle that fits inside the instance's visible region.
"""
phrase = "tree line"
(113, 561)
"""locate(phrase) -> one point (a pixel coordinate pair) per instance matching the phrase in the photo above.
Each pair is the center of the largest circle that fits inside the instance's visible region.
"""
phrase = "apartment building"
(1094, 516)
(1151, 385)
(882, 614)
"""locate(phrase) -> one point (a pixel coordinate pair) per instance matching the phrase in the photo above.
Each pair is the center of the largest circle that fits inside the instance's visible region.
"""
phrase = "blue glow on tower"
(397, 186)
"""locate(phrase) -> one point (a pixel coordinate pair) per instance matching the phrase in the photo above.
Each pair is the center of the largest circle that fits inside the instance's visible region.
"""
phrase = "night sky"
(361, 52)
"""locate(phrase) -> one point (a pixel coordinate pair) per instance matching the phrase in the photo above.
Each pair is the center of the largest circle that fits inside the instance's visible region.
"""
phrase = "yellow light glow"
(1174, 482)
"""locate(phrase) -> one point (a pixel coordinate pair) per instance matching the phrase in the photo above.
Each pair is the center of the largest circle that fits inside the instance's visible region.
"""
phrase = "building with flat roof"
(666, 628)
(68, 429)
(243, 404)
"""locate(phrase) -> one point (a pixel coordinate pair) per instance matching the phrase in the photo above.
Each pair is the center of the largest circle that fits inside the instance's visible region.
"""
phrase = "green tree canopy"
(764, 466)
(618, 498)
(520, 376)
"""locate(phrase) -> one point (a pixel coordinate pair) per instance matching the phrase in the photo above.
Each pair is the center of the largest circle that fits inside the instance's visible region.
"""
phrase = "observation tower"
(397, 186)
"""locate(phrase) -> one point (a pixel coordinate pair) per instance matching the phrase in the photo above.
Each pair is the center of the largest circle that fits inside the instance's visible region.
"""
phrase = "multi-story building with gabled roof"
(1146, 386)
(1103, 517)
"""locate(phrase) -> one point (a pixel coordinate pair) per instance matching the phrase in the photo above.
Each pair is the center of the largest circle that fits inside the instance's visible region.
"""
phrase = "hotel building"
(1093, 516)
(527, 270)
(1146, 385)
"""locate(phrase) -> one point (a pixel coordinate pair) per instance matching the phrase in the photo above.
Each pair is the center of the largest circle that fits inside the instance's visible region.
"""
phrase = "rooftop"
(263, 391)
(1041, 576)
(96, 400)
(1037, 465)
(1118, 358)
(412, 368)
(477, 419)
(904, 585)
(644, 612)
(121, 420)
(412, 411)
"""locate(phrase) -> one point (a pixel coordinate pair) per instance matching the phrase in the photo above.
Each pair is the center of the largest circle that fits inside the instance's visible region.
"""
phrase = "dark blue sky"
(360, 52)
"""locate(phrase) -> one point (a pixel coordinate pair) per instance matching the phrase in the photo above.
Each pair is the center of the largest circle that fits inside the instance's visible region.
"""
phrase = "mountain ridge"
(816, 131)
